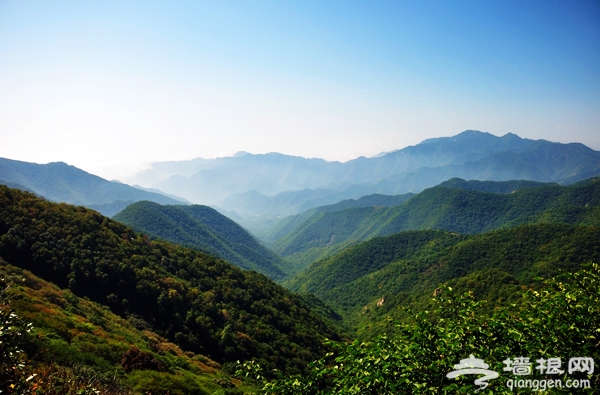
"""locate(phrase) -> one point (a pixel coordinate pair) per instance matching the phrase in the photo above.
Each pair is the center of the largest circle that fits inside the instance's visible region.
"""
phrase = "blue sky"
(110, 86)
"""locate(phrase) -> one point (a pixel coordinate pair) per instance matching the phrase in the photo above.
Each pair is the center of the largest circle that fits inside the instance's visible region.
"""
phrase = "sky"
(111, 86)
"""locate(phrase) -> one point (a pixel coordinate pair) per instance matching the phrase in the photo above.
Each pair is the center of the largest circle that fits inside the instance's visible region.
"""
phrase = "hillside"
(509, 186)
(452, 209)
(204, 229)
(202, 304)
(555, 319)
(369, 281)
(60, 182)
(83, 346)
(288, 224)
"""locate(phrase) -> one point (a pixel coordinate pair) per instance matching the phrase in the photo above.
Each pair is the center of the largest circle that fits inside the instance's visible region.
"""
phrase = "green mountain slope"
(205, 229)
(95, 348)
(288, 224)
(368, 281)
(453, 209)
(557, 319)
(202, 304)
(60, 182)
(509, 186)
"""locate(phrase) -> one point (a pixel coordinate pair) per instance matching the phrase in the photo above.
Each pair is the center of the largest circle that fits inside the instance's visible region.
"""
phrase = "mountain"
(60, 182)
(440, 207)
(369, 281)
(250, 184)
(200, 303)
(254, 203)
(204, 229)
(492, 186)
(559, 316)
(160, 171)
(268, 174)
(288, 224)
(83, 346)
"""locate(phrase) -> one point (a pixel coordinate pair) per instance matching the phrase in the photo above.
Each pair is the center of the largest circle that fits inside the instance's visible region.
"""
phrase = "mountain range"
(457, 206)
(264, 187)
(60, 182)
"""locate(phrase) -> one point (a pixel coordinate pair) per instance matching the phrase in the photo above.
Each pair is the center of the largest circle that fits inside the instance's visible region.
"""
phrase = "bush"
(162, 383)
(14, 337)
(560, 321)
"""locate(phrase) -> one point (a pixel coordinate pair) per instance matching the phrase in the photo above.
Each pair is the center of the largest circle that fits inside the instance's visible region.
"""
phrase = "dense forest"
(200, 303)
(464, 211)
(368, 282)
(54, 342)
(204, 229)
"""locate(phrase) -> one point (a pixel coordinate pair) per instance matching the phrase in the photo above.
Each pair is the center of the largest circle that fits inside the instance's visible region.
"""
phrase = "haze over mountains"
(279, 185)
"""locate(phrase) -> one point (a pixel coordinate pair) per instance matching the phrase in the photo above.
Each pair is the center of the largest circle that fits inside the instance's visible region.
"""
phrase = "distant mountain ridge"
(60, 182)
(278, 185)
(203, 228)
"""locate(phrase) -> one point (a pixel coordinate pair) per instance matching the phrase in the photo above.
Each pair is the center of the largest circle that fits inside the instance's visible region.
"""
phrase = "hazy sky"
(108, 86)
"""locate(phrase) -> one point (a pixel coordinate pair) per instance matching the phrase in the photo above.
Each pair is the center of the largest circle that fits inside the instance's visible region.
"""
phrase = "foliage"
(78, 344)
(52, 379)
(204, 229)
(14, 337)
(366, 282)
(445, 208)
(287, 224)
(370, 256)
(561, 321)
(509, 186)
(200, 303)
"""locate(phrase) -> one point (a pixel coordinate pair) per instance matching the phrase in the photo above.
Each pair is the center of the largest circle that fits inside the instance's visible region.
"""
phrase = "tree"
(560, 321)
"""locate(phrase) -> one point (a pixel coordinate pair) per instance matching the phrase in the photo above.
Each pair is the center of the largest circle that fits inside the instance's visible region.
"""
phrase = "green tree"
(561, 320)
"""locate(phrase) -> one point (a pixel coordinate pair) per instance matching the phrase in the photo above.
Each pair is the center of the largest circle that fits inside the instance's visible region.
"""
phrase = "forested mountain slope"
(203, 228)
(399, 269)
(557, 318)
(201, 303)
(288, 224)
(509, 186)
(77, 346)
(452, 209)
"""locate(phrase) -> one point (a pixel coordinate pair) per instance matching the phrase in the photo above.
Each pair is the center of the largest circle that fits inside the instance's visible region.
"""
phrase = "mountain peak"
(463, 136)
(469, 134)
